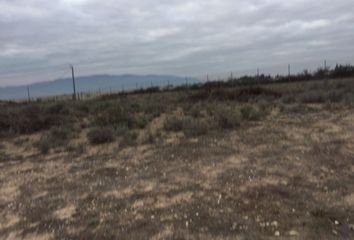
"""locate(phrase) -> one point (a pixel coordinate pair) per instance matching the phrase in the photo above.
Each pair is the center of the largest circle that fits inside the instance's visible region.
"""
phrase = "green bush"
(114, 115)
(250, 112)
(100, 135)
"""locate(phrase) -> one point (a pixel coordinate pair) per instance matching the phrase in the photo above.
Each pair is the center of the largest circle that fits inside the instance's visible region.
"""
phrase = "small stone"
(152, 217)
(262, 225)
(197, 214)
(293, 233)
(245, 218)
(336, 222)
(277, 233)
(334, 232)
(187, 224)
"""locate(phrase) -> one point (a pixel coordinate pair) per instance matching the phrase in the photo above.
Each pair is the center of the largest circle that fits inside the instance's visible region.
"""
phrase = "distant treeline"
(339, 71)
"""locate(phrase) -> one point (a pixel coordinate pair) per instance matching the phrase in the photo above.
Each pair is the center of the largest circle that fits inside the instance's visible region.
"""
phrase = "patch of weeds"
(2, 146)
(293, 108)
(313, 96)
(141, 121)
(77, 149)
(264, 105)
(25, 119)
(287, 99)
(44, 144)
(57, 108)
(55, 137)
(100, 135)
(20, 141)
(151, 138)
(129, 139)
(227, 118)
(115, 115)
(62, 133)
(250, 112)
(335, 96)
(196, 110)
(173, 123)
(193, 127)
(154, 108)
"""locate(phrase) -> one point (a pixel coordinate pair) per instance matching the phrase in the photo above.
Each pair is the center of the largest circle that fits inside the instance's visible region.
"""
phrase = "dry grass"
(217, 174)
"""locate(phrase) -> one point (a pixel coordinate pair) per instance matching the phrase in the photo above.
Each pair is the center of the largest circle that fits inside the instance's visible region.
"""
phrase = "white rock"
(336, 222)
(293, 233)
(277, 233)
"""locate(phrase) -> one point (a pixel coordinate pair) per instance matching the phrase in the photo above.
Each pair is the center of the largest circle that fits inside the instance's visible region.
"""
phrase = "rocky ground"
(290, 176)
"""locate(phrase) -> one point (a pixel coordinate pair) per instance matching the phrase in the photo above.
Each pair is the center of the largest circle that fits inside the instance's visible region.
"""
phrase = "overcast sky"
(40, 38)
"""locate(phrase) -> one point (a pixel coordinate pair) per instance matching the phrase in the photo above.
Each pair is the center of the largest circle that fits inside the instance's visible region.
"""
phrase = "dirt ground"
(290, 176)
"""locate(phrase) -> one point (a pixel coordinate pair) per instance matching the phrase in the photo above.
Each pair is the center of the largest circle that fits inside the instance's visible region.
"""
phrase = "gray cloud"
(39, 38)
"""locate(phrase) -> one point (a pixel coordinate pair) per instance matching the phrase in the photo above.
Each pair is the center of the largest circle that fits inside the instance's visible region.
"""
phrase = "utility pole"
(231, 76)
(325, 65)
(289, 71)
(74, 87)
(257, 72)
(207, 77)
(28, 94)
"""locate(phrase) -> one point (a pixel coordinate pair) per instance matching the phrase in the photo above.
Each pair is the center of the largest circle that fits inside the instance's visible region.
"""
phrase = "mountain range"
(92, 83)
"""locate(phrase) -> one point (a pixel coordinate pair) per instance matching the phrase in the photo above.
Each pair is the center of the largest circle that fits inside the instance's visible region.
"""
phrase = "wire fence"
(281, 70)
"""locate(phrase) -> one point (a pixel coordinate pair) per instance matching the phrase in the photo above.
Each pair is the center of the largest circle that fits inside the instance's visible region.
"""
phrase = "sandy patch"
(66, 212)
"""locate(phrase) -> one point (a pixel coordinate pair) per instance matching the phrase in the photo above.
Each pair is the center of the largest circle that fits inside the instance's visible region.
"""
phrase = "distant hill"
(90, 84)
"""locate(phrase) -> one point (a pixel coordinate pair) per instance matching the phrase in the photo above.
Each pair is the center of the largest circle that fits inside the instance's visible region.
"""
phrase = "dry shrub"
(191, 126)
(227, 118)
(57, 136)
(100, 135)
(250, 112)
